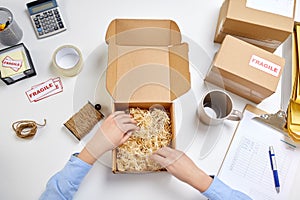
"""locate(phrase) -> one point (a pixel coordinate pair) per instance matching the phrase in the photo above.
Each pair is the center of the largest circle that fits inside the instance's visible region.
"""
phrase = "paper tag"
(279, 7)
(44, 90)
(11, 63)
(58, 89)
(265, 65)
(41, 90)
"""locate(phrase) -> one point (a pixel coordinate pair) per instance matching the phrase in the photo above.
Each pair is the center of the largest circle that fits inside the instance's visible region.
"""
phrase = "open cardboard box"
(246, 70)
(263, 29)
(147, 65)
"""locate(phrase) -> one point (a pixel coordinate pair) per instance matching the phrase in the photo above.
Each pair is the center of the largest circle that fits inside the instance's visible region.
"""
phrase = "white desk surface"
(26, 165)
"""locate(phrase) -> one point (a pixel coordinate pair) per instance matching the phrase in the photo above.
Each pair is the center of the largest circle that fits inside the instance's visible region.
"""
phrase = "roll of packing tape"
(67, 60)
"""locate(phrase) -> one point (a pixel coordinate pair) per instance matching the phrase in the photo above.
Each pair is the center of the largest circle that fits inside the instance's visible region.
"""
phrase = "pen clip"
(272, 158)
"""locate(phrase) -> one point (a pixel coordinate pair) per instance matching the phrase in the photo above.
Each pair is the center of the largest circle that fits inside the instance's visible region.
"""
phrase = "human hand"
(182, 167)
(118, 127)
(114, 131)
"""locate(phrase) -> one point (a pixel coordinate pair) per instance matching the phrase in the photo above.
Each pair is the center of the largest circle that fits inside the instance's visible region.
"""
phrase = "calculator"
(46, 17)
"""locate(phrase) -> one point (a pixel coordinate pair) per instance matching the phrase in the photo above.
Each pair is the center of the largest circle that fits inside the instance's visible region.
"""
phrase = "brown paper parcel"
(263, 29)
(246, 70)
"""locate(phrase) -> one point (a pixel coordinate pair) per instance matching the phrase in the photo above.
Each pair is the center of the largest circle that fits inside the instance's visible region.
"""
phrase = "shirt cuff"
(80, 163)
(220, 191)
(217, 190)
(76, 169)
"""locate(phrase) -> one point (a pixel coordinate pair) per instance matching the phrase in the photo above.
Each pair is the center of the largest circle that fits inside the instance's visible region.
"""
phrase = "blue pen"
(274, 168)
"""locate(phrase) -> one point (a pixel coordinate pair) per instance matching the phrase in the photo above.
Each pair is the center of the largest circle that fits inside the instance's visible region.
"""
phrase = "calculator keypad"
(48, 23)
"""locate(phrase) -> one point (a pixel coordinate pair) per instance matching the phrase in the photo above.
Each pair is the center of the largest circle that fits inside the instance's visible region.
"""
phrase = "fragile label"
(265, 65)
(44, 90)
(58, 89)
(11, 63)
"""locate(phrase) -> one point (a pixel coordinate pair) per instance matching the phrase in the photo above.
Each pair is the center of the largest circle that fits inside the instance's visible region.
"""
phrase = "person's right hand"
(118, 127)
(114, 131)
(182, 167)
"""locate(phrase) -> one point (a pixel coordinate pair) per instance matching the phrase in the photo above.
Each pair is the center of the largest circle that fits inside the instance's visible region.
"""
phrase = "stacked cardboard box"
(245, 69)
(263, 29)
(244, 63)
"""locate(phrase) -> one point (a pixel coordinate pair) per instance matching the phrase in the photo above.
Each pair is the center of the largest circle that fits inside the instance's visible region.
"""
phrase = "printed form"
(247, 164)
(279, 7)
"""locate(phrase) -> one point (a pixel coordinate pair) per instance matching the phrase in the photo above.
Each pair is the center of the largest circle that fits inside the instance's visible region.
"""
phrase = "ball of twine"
(26, 128)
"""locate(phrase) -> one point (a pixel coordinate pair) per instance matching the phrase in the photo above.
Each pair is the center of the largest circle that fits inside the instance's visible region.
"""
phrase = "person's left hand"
(182, 167)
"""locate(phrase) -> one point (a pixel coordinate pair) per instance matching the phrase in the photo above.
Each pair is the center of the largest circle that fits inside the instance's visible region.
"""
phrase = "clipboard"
(246, 166)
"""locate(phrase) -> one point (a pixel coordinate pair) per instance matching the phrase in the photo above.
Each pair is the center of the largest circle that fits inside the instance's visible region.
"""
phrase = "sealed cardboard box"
(148, 66)
(263, 29)
(245, 69)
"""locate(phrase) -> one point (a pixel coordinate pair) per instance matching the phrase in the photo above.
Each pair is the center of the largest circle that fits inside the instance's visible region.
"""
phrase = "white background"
(26, 165)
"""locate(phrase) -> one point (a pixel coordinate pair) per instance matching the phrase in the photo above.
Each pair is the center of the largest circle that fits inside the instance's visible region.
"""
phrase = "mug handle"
(235, 115)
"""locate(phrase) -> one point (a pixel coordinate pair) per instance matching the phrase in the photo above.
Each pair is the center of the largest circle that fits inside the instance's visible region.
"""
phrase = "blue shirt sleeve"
(220, 191)
(65, 183)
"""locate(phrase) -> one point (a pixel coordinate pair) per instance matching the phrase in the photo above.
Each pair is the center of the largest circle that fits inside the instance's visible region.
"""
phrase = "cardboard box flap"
(147, 74)
(143, 32)
(179, 70)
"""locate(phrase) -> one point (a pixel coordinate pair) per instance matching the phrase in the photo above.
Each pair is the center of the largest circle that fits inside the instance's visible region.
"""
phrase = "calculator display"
(42, 7)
